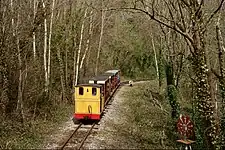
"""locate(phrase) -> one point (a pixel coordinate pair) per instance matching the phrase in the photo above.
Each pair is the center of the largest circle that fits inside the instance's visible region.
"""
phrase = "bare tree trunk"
(20, 94)
(61, 73)
(169, 65)
(80, 46)
(205, 103)
(66, 43)
(221, 50)
(156, 62)
(12, 18)
(160, 63)
(88, 40)
(4, 99)
(74, 4)
(34, 53)
(34, 45)
(24, 73)
(45, 49)
(86, 65)
(19, 107)
(220, 47)
(66, 64)
(49, 43)
(34, 34)
(100, 40)
(74, 63)
(180, 63)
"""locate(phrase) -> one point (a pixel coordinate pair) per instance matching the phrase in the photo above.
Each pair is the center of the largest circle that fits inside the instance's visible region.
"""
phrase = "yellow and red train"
(92, 97)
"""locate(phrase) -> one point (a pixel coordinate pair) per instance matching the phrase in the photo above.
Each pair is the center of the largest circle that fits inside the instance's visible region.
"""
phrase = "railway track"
(73, 136)
(78, 145)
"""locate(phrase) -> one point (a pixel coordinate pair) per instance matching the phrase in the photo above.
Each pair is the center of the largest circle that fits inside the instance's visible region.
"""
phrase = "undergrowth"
(152, 121)
(31, 135)
(147, 124)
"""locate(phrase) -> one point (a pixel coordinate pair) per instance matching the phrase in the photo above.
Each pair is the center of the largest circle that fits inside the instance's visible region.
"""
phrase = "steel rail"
(86, 136)
(71, 136)
(84, 139)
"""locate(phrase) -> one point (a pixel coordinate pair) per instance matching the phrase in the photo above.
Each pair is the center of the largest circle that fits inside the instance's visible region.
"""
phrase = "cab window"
(94, 91)
(81, 91)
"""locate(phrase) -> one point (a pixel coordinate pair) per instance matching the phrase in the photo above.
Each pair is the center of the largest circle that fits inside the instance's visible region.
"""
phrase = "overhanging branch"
(213, 14)
(174, 27)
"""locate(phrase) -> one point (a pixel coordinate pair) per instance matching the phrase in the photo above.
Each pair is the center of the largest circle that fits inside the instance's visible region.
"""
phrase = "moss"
(173, 100)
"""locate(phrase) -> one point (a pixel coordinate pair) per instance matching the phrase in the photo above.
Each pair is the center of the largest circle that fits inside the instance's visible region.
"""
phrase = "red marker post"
(186, 129)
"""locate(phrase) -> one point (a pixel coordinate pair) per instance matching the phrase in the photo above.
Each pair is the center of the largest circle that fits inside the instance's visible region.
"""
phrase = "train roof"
(90, 85)
(112, 71)
(109, 74)
(100, 78)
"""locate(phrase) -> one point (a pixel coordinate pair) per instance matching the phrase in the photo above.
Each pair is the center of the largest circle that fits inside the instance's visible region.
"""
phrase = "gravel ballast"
(131, 121)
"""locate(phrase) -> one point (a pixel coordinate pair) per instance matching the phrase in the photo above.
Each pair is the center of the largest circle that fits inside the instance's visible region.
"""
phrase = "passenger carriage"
(115, 77)
(105, 81)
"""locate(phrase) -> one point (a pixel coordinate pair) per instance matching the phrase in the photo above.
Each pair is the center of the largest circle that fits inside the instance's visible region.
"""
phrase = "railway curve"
(76, 136)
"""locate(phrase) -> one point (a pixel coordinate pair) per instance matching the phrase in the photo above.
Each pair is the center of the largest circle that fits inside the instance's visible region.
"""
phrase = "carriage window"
(81, 91)
(94, 91)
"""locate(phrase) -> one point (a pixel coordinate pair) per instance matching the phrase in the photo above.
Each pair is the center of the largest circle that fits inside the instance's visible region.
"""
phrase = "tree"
(187, 19)
(45, 48)
(100, 37)
(220, 76)
(80, 46)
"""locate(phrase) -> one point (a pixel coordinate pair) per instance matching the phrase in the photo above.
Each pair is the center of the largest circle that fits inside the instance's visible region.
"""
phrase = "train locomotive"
(92, 97)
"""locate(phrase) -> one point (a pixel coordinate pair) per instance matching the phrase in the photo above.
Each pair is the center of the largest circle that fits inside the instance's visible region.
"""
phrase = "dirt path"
(106, 138)
(111, 116)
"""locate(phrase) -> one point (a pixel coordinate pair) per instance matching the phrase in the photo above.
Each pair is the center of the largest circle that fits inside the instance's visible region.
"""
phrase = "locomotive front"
(87, 102)
(91, 98)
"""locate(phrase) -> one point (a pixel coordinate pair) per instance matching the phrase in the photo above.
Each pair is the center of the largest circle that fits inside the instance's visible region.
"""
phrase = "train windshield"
(94, 91)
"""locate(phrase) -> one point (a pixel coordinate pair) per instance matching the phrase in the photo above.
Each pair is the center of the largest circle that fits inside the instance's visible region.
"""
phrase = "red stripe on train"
(87, 116)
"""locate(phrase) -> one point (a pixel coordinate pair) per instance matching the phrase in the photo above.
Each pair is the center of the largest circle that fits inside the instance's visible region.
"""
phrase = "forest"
(49, 46)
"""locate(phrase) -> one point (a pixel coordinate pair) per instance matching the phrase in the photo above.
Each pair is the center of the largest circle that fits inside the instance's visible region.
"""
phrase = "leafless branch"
(199, 8)
(173, 27)
(182, 15)
(163, 31)
(186, 3)
(173, 5)
(216, 74)
(170, 11)
(213, 14)
(189, 44)
(162, 16)
(193, 80)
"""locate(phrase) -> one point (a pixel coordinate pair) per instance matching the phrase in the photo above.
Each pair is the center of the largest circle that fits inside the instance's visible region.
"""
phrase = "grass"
(16, 136)
(144, 124)
(153, 123)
